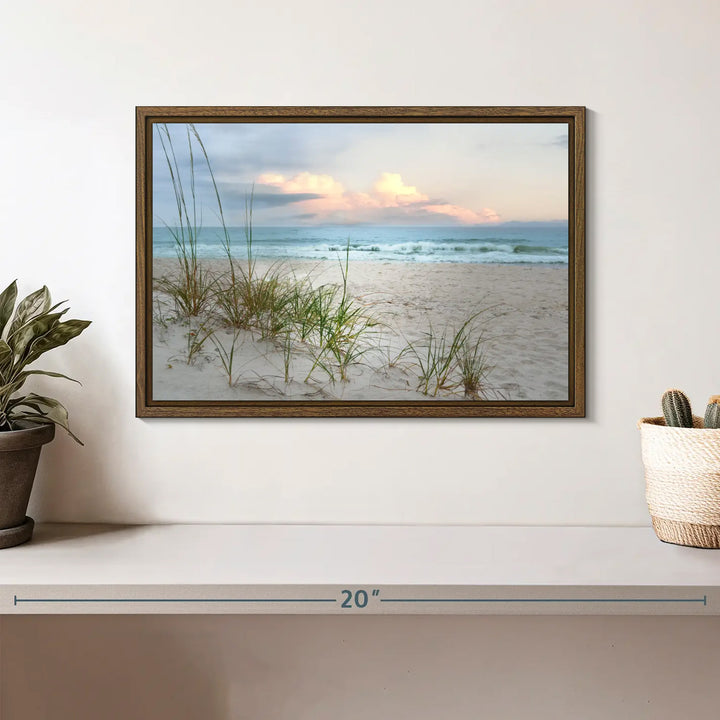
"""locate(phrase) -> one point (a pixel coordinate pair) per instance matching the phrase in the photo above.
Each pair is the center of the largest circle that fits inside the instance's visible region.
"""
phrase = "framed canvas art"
(360, 261)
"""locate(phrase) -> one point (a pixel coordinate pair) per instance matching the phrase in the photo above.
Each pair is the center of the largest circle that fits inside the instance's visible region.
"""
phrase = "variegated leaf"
(11, 388)
(33, 330)
(42, 410)
(58, 335)
(40, 419)
(31, 306)
(26, 373)
(7, 303)
(6, 360)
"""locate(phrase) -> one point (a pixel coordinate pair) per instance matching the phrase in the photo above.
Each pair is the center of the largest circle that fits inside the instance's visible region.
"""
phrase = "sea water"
(508, 243)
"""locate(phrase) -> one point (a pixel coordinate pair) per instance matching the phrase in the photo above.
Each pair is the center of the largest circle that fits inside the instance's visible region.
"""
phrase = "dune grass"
(196, 336)
(342, 327)
(191, 287)
(227, 355)
(323, 322)
(474, 369)
(451, 360)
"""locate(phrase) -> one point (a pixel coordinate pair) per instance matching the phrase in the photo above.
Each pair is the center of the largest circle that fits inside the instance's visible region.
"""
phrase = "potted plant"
(27, 421)
(681, 455)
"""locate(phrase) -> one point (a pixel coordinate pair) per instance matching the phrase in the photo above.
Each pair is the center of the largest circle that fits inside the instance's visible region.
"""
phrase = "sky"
(368, 173)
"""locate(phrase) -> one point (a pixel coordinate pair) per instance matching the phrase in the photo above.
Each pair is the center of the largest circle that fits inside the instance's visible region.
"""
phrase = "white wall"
(73, 72)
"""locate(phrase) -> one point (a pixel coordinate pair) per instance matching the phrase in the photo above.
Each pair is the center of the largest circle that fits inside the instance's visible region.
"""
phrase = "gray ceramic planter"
(19, 455)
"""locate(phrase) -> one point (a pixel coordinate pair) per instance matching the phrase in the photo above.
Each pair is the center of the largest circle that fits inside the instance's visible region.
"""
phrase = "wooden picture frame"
(313, 166)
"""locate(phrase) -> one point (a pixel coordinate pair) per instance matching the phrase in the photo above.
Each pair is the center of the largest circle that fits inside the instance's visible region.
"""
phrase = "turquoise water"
(530, 243)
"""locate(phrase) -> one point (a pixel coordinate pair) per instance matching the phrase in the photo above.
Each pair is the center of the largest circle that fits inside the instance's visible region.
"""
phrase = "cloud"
(239, 152)
(271, 199)
(560, 140)
(393, 192)
(303, 183)
(323, 197)
(464, 215)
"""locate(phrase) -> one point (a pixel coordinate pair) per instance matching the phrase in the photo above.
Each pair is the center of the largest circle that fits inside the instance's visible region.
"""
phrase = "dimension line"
(17, 600)
(702, 600)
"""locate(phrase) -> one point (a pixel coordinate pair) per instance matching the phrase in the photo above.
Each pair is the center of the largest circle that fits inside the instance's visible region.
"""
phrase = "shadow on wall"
(591, 254)
(73, 482)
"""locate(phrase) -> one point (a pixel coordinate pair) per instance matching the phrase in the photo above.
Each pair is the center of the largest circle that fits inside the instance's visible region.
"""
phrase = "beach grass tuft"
(191, 287)
(342, 327)
(452, 359)
(227, 355)
(474, 369)
(196, 337)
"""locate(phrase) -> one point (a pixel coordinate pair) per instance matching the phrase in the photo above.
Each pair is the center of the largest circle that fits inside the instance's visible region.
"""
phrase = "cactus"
(712, 416)
(676, 409)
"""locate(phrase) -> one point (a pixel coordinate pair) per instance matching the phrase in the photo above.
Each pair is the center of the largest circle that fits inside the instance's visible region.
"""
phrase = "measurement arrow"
(702, 600)
(17, 600)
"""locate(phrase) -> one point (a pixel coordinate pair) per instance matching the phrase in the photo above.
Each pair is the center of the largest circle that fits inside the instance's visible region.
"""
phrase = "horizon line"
(414, 225)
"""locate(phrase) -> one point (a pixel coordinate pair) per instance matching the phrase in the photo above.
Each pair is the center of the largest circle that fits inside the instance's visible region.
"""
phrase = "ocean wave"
(444, 249)
(353, 248)
(539, 250)
(385, 248)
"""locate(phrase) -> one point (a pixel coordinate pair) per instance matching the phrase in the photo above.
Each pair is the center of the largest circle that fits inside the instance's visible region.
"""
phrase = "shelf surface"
(326, 569)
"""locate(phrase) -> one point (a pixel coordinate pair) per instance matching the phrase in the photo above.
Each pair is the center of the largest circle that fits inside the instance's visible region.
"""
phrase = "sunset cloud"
(304, 182)
(464, 215)
(271, 179)
(393, 192)
(322, 196)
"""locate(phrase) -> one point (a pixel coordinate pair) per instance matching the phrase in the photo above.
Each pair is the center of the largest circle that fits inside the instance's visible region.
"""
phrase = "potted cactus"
(27, 420)
(681, 455)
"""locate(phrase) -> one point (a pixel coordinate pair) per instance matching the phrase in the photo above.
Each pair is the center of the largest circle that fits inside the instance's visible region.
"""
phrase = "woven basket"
(682, 476)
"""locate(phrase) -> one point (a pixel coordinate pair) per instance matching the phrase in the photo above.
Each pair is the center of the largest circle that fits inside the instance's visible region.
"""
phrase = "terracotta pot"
(19, 456)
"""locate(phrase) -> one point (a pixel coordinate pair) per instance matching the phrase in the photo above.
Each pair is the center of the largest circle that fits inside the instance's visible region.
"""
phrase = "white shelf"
(305, 569)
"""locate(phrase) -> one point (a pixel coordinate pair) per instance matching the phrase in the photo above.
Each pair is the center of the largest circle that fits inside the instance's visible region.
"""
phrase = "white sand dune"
(527, 329)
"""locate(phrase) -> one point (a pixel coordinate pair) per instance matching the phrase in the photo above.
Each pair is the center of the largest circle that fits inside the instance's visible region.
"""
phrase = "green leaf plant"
(27, 332)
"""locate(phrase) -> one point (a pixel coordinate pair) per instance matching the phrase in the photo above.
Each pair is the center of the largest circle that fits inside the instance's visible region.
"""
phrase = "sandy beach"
(524, 328)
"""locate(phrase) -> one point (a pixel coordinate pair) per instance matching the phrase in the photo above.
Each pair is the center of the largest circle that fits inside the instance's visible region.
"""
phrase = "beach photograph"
(355, 262)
